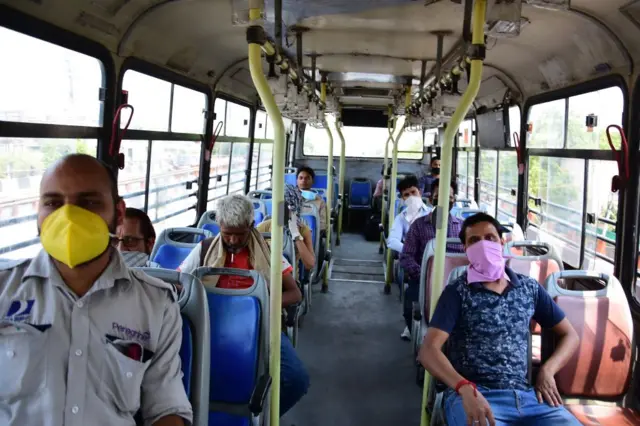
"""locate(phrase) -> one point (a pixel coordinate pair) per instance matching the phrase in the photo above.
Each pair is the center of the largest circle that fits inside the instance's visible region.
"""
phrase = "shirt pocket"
(122, 378)
(23, 361)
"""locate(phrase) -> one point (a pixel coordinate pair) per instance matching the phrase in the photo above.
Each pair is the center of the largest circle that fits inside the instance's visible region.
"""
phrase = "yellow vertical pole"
(342, 176)
(262, 87)
(437, 282)
(330, 186)
(391, 127)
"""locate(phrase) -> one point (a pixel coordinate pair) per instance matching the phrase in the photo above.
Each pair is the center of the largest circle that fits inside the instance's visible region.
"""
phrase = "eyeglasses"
(127, 241)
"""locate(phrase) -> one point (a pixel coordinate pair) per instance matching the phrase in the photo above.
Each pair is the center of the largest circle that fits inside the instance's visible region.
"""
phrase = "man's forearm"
(565, 349)
(170, 421)
(437, 364)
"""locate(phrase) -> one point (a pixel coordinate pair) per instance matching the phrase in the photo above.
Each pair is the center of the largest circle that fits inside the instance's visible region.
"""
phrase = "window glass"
(471, 176)
(462, 174)
(411, 145)
(219, 109)
(240, 155)
(261, 125)
(546, 123)
(556, 216)
(132, 180)
(237, 120)
(264, 174)
(488, 169)
(606, 105)
(430, 137)
(600, 247)
(465, 134)
(219, 173)
(151, 99)
(188, 110)
(22, 164)
(514, 125)
(507, 186)
(41, 82)
(173, 166)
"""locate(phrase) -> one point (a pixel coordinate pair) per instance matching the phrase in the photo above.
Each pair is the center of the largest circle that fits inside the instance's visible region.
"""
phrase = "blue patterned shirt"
(489, 332)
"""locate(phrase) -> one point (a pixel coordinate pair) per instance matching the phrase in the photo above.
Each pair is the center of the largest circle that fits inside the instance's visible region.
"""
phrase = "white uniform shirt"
(62, 358)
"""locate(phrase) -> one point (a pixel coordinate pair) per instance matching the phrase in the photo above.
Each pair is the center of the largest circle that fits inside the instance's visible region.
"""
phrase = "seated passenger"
(380, 185)
(85, 339)
(412, 198)
(240, 245)
(305, 177)
(300, 232)
(426, 181)
(136, 238)
(420, 233)
(485, 316)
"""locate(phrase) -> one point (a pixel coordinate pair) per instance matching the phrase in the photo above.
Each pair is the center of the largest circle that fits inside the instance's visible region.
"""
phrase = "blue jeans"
(511, 407)
(411, 296)
(294, 379)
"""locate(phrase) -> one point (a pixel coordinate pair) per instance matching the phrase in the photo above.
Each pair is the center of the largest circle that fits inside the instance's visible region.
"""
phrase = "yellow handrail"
(275, 326)
(437, 281)
(341, 182)
(330, 186)
(391, 127)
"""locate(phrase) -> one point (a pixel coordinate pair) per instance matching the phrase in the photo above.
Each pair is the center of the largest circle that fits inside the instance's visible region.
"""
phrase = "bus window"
(151, 98)
(514, 124)
(187, 113)
(471, 176)
(507, 182)
(218, 172)
(546, 123)
(556, 217)
(411, 146)
(239, 158)
(488, 181)
(237, 120)
(22, 163)
(261, 125)
(264, 169)
(430, 137)
(173, 165)
(50, 84)
(465, 133)
(606, 104)
(462, 174)
(132, 180)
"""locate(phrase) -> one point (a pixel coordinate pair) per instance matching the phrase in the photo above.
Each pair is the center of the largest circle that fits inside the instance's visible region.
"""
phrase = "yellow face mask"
(73, 235)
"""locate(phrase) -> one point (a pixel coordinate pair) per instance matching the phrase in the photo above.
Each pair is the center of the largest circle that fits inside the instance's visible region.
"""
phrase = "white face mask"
(414, 207)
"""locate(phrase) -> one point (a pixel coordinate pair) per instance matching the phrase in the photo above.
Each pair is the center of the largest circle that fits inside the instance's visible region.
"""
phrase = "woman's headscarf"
(293, 199)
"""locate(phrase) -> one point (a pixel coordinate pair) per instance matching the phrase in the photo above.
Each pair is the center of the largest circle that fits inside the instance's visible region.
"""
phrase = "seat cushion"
(224, 419)
(170, 257)
(594, 415)
(235, 347)
(186, 355)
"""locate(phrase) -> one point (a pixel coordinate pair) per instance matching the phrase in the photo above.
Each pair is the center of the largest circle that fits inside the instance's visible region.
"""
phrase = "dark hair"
(408, 182)
(146, 227)
(434, 158)
(436, 183)
(308, 170)
(480, 218)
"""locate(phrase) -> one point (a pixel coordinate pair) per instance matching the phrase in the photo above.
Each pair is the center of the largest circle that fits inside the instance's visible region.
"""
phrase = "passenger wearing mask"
(426, 181)
(299, 231)
(415, 208)
(485, 316)
(240, 245)
(420, 233)
(135, 238)
(305, 178)
(85, 338)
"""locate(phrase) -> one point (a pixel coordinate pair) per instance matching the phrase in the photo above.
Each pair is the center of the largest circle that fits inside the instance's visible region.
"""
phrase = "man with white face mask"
(414, 208)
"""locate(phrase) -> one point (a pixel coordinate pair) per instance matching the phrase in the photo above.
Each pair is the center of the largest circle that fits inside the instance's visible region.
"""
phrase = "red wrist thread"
(462, 383)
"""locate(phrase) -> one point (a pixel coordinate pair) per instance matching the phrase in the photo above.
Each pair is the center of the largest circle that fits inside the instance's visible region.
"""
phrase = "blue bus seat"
(196, 345)
(291, 179)
(208, 221)
(169, 251)
(239, 321)
(259, 210)
(265, 198)
(360, 194)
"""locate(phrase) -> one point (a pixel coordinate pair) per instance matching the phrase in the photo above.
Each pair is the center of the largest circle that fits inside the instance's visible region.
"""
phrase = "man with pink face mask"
(485, 315)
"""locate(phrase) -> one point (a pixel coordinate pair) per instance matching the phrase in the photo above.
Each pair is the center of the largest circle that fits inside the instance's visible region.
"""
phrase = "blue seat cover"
(311, 221)
(267, 204)
(291, 179)
(224, 419)
(235, 347)
(214, 228)
(258, 217)
(360, 196)
(170, 257)
(186, 355)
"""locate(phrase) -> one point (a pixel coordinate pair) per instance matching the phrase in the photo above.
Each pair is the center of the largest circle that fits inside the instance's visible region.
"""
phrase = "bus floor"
(361, 372)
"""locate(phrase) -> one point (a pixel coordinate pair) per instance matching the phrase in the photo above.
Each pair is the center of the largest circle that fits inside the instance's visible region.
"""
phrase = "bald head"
(83, 181)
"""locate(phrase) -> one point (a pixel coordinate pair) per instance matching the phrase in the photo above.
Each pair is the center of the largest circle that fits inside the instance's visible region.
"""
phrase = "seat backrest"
(515, 234)
(169, 251)
(522, 257)
(259, 210)
(196, 334)
(291, 179)
(464, 213)
(601, 368)
(239, 321)
(360, 193)
(454, 257)
(208, 221)
(312, 219)
(288, 248)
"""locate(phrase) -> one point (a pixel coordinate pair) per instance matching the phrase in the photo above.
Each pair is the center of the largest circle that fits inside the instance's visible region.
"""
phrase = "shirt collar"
(42, 267)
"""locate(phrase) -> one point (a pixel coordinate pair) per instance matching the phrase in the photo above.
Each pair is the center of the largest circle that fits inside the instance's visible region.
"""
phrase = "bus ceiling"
(533, 47)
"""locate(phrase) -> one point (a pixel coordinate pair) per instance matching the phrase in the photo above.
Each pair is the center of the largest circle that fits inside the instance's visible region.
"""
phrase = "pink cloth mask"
(486, 262)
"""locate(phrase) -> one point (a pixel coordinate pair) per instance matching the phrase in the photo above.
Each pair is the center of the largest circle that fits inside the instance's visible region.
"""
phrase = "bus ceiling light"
(550, 4)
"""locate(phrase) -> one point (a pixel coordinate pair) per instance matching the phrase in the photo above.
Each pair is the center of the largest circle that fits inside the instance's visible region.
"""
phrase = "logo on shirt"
(20, 310)
(130, 333)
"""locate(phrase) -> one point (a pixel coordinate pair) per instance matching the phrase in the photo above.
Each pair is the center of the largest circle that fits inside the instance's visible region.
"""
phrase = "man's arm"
(394, 242)
(290, 292)
(409, 250)
(192, 261)
(170, 421)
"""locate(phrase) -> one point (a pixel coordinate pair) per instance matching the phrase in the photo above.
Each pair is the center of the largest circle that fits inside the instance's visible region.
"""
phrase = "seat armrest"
(259, 395)
(292, 312)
